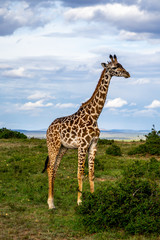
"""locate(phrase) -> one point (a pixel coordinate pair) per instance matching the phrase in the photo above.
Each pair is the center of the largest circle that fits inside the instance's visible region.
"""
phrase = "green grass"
(131, 203)
(24, 211)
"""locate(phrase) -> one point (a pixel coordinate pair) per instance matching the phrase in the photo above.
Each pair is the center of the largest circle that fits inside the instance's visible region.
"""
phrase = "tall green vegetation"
(132, 204)
(105, 141)
(126, 194)
(6, 134)
(114, 150)
(151, 146)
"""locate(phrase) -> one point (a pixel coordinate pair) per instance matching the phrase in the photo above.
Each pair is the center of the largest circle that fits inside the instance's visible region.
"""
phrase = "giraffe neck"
(96, 103)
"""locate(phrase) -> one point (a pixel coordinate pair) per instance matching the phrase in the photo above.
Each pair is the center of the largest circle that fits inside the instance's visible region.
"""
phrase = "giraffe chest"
(70, 143)
(69, 137)
(78, 136)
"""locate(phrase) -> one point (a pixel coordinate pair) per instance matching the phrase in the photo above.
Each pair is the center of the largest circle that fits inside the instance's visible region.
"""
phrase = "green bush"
(142, 149)
(132, 204)
(98, 165)
(139, 169)
(105, 141)
(151, 146)
(6, 133)
(114, 150)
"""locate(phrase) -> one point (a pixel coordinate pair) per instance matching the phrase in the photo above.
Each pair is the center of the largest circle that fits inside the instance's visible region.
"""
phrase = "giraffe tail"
(46, 164)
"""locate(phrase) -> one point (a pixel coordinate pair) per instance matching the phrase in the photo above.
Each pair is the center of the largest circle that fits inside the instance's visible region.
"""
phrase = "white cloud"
(120, 15)
(33, 105)
(133, 36)
(40, 95)
(19, 72)
(66, 105)
(115, 103)
(114, 12)
(139, 81)
(18, 14)
(109, 11)
(132, 104)
(146, 113)
(154, 104)
(71, 58)
(4, 65)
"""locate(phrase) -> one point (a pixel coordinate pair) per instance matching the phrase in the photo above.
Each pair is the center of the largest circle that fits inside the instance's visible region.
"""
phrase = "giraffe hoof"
(52, 207)
(51, 204)
(79, 202)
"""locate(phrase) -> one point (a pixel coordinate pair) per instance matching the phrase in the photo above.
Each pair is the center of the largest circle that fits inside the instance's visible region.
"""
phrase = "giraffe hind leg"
(91, 158)
(46, 164)
(62, 151)
(53, 150)
(52, 169)
(81, 161)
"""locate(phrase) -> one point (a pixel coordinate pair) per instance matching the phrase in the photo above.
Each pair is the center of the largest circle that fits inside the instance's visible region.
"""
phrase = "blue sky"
(51, 54)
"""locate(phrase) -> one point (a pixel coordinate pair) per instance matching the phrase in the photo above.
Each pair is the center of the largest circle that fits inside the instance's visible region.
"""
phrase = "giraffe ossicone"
(80, 131)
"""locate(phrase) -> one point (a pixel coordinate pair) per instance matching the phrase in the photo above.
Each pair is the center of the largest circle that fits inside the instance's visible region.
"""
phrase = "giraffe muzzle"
(127, 75)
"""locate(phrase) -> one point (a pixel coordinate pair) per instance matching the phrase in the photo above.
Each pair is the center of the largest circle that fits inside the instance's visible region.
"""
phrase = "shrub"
(105, 141)
(98, 165)
(153, 136)
(132, 204)
(139, 169)
(6, 133)
(142, 149)
(151, 146)
(114, 150)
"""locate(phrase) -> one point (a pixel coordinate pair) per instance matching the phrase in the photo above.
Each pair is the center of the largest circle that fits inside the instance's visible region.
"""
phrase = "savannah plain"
(24, 211)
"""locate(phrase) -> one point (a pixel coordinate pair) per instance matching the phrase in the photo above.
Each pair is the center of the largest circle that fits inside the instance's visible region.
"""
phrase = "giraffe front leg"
(91, 158)
(81, 161)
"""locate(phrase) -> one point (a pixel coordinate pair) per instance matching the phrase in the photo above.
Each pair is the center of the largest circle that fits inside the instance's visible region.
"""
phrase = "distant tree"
(6, 133)
(151, 146)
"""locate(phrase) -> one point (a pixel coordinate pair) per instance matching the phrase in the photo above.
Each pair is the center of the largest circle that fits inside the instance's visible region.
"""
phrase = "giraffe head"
(115, 68)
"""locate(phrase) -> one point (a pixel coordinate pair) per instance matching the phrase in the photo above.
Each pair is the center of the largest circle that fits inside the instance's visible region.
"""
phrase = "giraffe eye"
(114, 68)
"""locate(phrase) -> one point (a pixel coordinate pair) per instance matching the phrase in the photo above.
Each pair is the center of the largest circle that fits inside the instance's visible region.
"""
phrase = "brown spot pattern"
(80, 131)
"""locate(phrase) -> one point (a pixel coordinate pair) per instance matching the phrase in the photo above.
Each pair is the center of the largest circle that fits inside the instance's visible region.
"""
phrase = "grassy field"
(24, 211)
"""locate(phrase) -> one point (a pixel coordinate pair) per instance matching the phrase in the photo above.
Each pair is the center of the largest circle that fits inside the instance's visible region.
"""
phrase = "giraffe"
(80, 131)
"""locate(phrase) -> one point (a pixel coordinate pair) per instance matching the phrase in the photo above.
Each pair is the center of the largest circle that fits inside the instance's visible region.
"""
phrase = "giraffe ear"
(104, 65)
(115, 58)
(110, 56)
